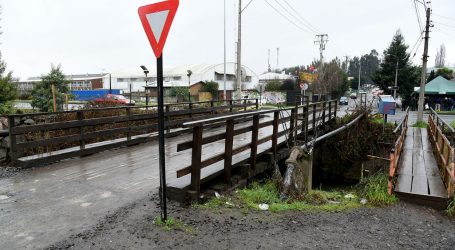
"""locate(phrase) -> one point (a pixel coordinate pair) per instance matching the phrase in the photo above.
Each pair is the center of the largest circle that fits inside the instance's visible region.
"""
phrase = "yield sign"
(157, 19)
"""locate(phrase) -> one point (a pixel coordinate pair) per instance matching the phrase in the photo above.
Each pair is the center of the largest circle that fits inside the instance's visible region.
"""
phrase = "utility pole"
(424, 69)
(277, 58)
(224, 74)
(321, 40)
(396, 82)
(360, 72)
(239, 54)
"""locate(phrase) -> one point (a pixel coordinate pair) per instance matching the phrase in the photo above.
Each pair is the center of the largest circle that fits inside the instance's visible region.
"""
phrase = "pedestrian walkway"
(418, 174)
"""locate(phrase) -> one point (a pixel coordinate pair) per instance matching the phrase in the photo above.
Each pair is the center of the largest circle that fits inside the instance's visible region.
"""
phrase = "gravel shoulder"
(403, 226)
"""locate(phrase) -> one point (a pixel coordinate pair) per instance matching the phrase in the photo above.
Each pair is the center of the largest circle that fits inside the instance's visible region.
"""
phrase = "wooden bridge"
(422, 163)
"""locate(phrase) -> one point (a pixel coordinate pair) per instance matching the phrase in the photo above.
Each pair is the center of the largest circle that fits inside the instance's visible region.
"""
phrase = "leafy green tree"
(370, 64)
(289, 84)
(8, 91)
(42, 92)
(211, 87)
(274, 85)
(408, 75)
(444, 72)
(332, 81)
(182, 93)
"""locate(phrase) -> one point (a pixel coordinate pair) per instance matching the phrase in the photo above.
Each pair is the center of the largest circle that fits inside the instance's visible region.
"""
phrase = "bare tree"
(440, 59)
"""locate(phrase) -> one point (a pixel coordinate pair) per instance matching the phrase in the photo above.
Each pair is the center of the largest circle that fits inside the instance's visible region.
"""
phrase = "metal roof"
(439, 86)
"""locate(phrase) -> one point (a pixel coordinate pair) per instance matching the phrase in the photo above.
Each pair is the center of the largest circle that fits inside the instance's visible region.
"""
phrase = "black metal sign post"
(162, 160)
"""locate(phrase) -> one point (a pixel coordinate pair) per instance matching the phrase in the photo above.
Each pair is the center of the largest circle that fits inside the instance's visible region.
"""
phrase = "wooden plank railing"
(61, 135)
(324, 109)
(397, 149)
(444, 152)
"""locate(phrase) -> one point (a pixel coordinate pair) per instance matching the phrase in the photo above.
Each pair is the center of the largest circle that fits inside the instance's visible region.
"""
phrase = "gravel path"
(403, 226)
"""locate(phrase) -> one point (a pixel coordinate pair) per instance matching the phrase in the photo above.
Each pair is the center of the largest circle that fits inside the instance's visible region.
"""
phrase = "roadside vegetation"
(371, 192)
(172, 224)
(451, 208)
(420, 124)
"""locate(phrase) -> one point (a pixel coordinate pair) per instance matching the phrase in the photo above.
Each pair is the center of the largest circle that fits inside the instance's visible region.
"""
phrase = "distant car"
(117, 99)
(343, 100)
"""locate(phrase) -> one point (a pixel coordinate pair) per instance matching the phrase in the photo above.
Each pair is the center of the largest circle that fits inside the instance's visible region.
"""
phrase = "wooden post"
(254, 141)
(230, 106)
(128, 113)
(196, 159)
(323, 113)
(308, 171)
(211, 106)
(168, 108)
(66, 101)
(314, 117)
(244, 103)
(276, 121)
(190, 106)
(12, 140)
(336, 108)
(330, 110)
(292, 126)
(80, 117)
(228, 144)
(53, 97)
(257, 104)
(391, 173)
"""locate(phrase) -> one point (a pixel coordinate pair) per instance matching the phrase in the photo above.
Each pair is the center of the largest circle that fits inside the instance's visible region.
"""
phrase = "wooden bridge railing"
(314, 114)
(397, 149)
(60, 135)
(444, 151)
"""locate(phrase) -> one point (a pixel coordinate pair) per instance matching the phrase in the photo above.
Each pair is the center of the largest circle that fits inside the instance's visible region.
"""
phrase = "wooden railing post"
(196, 159)
(330, 110)
(276, 120)
(254, 140)
(80, 117)
(12, 140)
(230, 106)
(292, 127)
(391, 172)
(228, 144)
(314, 116)
(168, 109)
(257, 104)
(128, 113)
(336, 109)
(323, 113)
(244, 103)
(190, 107)
(306, 121)
(211, 106)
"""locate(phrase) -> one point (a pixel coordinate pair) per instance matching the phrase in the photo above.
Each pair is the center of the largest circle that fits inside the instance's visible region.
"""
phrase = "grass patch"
(451, 208)
(420, 124)
(373, 189)
(172, 224)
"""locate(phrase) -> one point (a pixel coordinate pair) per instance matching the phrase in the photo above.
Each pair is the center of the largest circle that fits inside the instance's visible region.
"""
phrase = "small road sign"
(304, 86)
(157, 19)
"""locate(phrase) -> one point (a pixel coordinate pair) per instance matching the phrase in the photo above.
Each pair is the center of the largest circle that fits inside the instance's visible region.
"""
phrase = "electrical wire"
(287, 18)
(294, 16)
(418, 15)
(445, 32)
(301, 17)
(448, 18)
(447, 25)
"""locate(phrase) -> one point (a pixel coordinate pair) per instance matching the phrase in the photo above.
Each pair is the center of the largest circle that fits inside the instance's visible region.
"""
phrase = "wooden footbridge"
(422, 163)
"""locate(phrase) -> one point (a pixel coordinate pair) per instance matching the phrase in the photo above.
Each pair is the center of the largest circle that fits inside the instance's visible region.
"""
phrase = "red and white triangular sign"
(157, 19)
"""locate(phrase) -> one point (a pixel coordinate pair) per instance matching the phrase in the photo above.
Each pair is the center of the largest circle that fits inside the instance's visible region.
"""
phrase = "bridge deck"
(418, 174)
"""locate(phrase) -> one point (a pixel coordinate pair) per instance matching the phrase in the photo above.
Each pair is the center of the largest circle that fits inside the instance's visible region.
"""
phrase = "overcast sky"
(87, 36)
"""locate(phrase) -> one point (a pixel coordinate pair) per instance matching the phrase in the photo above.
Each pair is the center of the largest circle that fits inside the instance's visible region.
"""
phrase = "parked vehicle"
(343, 100)
(117, 99)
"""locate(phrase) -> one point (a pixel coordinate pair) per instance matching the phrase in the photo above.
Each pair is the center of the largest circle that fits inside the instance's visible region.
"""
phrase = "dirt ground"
(403, 226)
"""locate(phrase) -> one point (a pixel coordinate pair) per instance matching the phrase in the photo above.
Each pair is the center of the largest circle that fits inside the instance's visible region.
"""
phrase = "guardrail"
(307, 113)
(61, 135)
(397, 149)
(444, 152)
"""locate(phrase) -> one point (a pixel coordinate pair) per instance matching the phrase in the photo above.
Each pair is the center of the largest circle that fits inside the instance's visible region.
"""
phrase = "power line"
(416, 47)
(293, 15)
(418, 15)
(447, 25)
(445, 32)
(285, 17)
(301, 17)
(448, 18)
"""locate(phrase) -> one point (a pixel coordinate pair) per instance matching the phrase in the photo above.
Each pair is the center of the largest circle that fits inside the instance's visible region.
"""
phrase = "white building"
(177, 77)
(271, 76)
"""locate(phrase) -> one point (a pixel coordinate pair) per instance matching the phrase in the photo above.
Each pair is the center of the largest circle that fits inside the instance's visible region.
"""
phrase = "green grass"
(451, 208)
(373, 189)
(420, 124)
(172, 224)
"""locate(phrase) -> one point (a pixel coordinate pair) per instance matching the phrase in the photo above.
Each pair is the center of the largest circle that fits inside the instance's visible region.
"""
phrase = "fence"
(312, 116)
(443, 150)
(47, 137)
(397, 149)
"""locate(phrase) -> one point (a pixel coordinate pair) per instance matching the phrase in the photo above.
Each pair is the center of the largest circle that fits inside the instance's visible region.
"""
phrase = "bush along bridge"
(422, 167)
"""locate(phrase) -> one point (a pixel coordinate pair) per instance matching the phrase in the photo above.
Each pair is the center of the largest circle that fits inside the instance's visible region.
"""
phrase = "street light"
(146, 71)
(189, 84)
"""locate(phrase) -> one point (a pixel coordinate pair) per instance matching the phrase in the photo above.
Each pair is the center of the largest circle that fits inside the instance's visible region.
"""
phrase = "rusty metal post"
(128, 134)
(276, 121)
(196, 160)
(254, 141)
(228, 144)
(80, 117)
